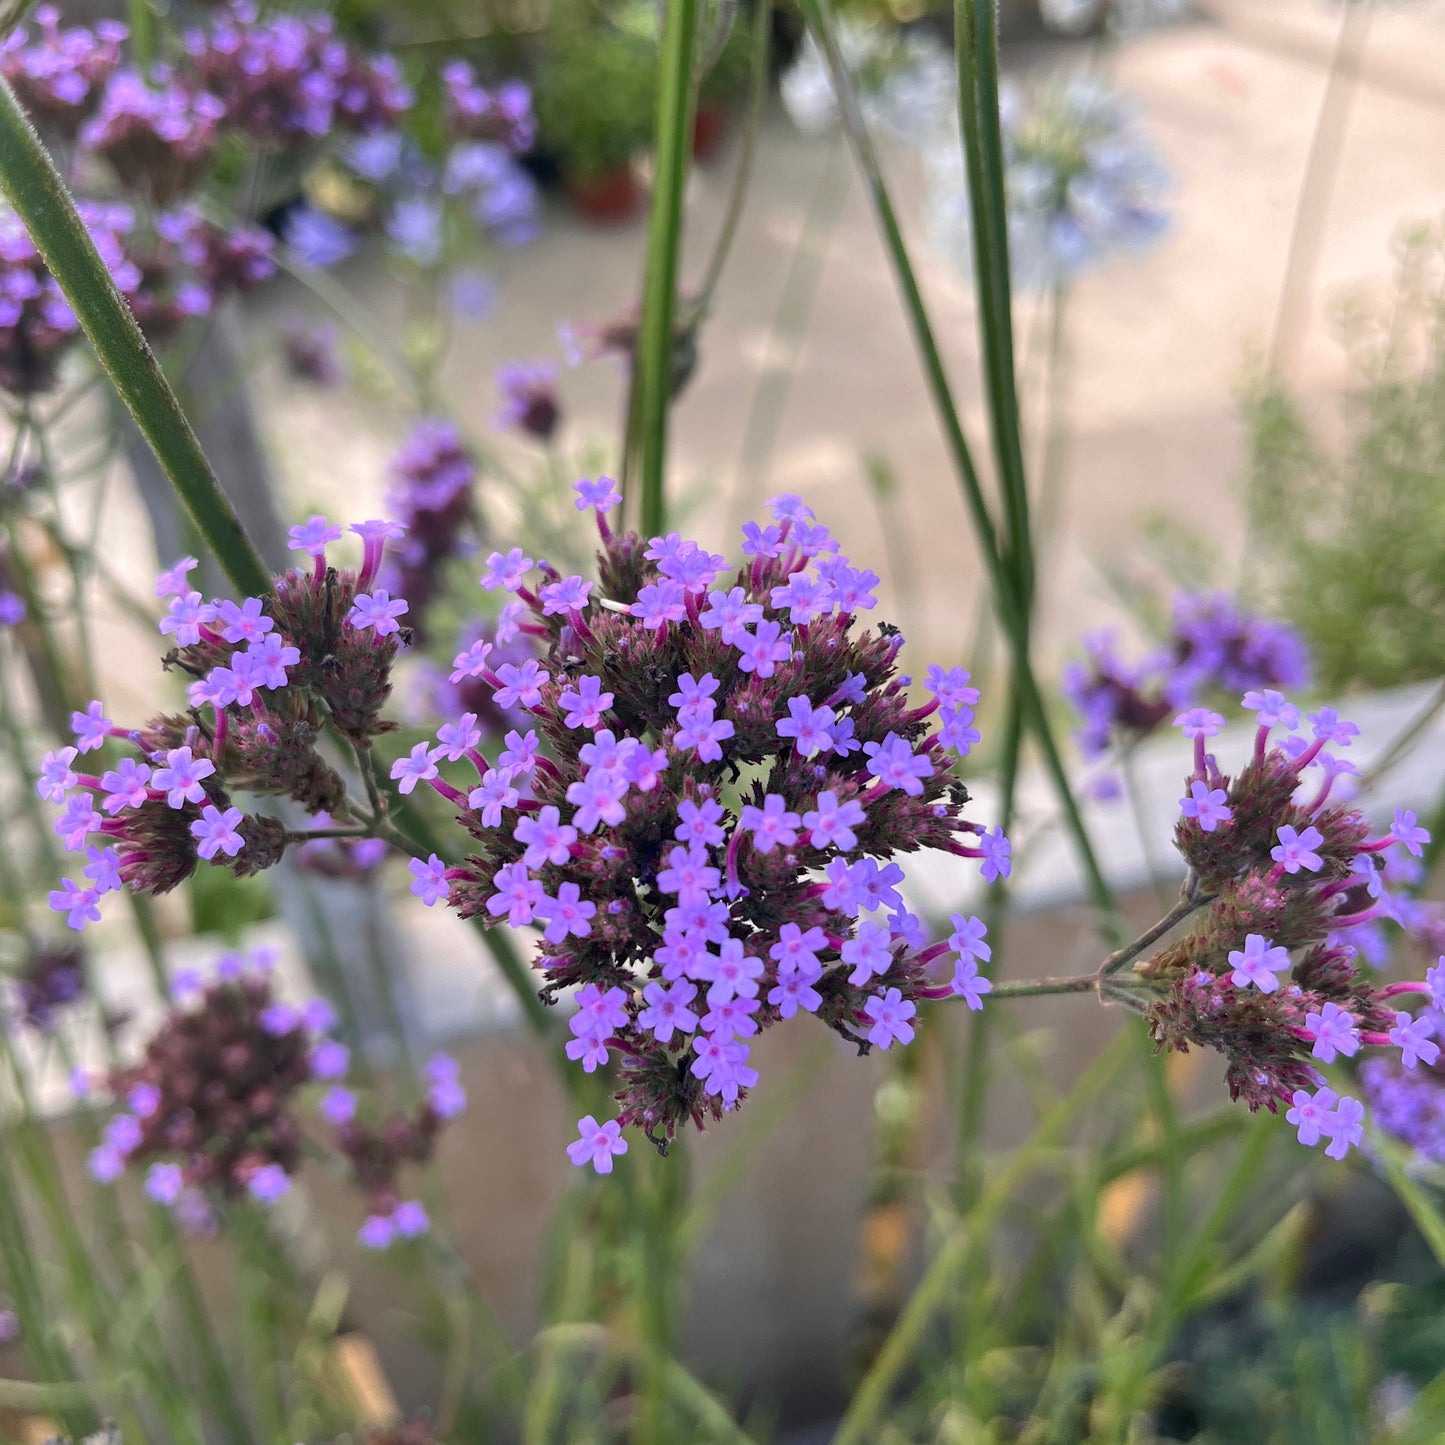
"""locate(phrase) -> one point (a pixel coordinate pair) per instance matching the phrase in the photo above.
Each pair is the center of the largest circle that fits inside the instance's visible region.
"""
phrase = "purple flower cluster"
(703, 810)
(1212, 647)
(433, 476)
(502, 114)
(1289, 875)
(289, 80)
(267, 672)
(1408, 1102)
(210, 1107)
(530, 401)
(37, 325)
(58, 74)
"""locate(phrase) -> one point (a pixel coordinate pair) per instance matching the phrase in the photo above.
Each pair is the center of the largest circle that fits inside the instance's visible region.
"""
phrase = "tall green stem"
(36, 190)
(1005, 597)
(664, 249)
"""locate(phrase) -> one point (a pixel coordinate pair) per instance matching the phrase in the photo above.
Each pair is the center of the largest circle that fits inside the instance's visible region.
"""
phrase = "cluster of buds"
(211, 1110)
(704, 812)
(51, 980)
(58, 74)
(290, 80)
(269, 674)
(433, 476)
(1212, 647)
(1286, 874)
(376, 1153)
(530, 401)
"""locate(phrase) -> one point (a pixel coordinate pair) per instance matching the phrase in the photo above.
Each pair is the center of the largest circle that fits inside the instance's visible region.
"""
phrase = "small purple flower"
(732, 973)
(181, 777)
(547, 837)
(601, 494)
(268, 1184)
(379, 610)
(1335, 1032)
(411, 1219)
(763, 649)
(377, 1232)
(185, 617)
(895, 765)
(731, 1018)
(77, 822)
(164, 1183)
(969, 984)
(56, 776)
(1312, 1113)
(1407, 832)
(1296, 850)
(338, 1106)
(596, 1144)
(1345, 1127)
(890, 1014)
(80, 905)
(566, 914)
(1206, 805)
(429, 880)
(808, 727)
(508, 571)
(493, 796)
(770, 825)
(1199, 722)
(330, 1060)
(456, 740)
(521, 686)
(91, 727)
(731, 613)
(1330, 727)
(584, 705)
(667, 1009)
(1412, 1037)
(1273, 708)
(445, 1096)
(951, 686)
(472, 662)
(597, 799)
(270, 657)
(243, 623)
(416, 767)
(870, 952)
(568, 595)
(660, 603)
(997, 851)
(698, 822)
(1258, 963)
(215, 831)
(702, 733)
(172, 581)
(125, 786)
(832, 824)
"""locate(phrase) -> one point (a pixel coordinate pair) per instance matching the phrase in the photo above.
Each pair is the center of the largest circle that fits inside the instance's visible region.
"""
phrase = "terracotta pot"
(710, 127)
(608, 198)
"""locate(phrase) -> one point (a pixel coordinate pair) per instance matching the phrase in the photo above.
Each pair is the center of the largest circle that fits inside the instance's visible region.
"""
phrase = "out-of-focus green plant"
(594, 93)
(1348, 523)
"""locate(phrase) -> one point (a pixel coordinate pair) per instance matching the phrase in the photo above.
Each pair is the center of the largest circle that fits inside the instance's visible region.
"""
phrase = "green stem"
(37, 192)
(976, 40)
(1006, 600)
(664, 245)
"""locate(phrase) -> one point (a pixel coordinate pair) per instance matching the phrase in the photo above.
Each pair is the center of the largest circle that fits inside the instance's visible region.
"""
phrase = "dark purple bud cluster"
(211, 1107)
(432, 496)
(531, 404)
(1212, 647)
(1287, 875)
(51, 980)
(502, 114)
(270, 673)
(703, 812)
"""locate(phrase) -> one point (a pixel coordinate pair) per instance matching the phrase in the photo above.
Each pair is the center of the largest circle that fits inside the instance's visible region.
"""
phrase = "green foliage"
(595, 92)
(1348, 535)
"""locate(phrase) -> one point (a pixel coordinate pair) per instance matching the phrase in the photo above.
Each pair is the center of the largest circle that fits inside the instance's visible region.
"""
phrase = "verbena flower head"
(266, 675)
(51, 980)
(1082, 183)
(58, 73)
(1289, 878)
(678, 824)
(1213, 648)
(432, 497)
(530, 401)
